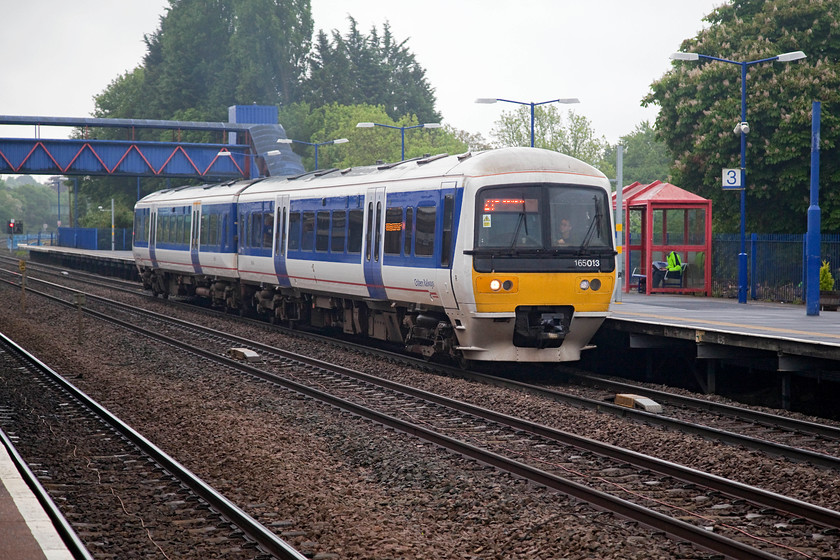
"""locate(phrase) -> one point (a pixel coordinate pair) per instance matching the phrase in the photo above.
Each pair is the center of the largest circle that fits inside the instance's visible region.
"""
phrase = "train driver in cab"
(564, 236)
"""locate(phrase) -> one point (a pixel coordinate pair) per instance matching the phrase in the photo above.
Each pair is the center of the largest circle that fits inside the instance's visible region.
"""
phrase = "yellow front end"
(501, 293)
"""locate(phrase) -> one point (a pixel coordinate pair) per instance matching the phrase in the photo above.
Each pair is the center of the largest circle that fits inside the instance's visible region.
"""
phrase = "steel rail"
(758, 417)
(248, 525)
(71, 540)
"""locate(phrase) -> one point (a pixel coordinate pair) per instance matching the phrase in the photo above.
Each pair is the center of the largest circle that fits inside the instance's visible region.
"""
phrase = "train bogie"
(450, 256)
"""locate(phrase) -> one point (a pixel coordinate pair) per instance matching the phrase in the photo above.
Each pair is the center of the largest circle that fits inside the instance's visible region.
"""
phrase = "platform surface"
(26, 532)
(755, 318)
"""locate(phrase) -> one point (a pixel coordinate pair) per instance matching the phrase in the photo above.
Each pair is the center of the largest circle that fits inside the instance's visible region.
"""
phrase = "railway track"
(575, 466)
(123, 494)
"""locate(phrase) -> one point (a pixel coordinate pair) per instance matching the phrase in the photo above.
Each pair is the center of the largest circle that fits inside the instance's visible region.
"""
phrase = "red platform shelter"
(660, 218)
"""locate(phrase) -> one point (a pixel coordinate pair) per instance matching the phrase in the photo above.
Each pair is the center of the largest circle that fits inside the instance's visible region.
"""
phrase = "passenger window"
(424, 241)
(322, 233)
(393, 230)
(213, 233)
(256, 227)
(267, 229)
(369, 235)
(339, 231)
(354, 231)
(446, 238)
(378, 232)
(294, 231)
(409, 230)
(307, 239)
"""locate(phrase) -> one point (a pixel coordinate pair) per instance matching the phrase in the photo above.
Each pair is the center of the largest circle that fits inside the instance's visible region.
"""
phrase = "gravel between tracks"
(336, 486)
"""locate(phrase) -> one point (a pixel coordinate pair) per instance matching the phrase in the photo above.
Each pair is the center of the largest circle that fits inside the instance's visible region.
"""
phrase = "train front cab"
(536, 298)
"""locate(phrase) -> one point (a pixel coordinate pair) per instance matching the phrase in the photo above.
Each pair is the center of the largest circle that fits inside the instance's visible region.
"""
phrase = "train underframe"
(420, 330)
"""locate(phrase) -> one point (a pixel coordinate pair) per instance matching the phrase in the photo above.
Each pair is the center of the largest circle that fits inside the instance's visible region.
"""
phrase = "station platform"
(762, 320)
(112, 263)
(26, 531)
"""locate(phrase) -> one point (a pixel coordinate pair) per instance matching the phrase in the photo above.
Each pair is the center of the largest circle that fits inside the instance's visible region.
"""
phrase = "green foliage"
(826, 278)
(646, 158)
(573, 136)
(366, 146)
(700, 105)
(358, 68)
(32, 203)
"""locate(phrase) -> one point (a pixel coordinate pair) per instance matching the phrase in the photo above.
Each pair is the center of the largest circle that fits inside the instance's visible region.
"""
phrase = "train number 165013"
(588, 263)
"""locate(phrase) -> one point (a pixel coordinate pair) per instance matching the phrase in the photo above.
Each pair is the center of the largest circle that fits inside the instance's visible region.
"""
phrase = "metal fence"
(95, 239)
(776, 264)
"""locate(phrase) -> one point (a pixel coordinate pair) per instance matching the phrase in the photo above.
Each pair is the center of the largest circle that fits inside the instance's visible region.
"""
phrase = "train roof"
(481, 164)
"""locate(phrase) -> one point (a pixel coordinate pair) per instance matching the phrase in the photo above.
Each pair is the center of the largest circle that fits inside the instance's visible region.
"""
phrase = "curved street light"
(531, 104)
(402, 130)
(316, 144)
(741, 129)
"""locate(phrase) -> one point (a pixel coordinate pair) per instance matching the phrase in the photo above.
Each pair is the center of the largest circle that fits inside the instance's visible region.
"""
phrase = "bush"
(826, 279)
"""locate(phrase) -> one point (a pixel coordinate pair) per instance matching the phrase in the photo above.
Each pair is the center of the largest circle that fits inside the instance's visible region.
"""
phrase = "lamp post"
(316, 144)
(742, 129)
(531, 104)
(402, 130)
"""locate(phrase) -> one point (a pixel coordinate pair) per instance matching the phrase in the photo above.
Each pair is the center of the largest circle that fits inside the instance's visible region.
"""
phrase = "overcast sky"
(57, 54)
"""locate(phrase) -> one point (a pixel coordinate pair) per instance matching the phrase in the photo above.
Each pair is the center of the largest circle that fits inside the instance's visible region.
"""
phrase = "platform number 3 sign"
(732, 179)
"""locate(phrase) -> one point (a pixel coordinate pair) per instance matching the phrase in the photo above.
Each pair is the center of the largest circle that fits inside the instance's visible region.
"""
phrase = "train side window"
(204, 236)
(185, 235)
(409, 230)
(393, 230)
(257, 220)
(178, 235)
(424, 240)
(213, 230)
(369, 235)
(446, 238)
(339, 231)
(378, 235)
(307, 239)
(283, 234)
(354, 231)
(267, 229)
(322, 231)
(294, 231)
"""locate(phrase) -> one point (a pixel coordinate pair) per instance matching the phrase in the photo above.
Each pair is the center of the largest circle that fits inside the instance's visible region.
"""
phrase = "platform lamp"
(402, 130)
(742, 129)
(316, 144)
(531, 104)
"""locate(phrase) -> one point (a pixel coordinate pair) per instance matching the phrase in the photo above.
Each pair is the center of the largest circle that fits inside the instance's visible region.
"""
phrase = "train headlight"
(495, 285)
(584, 284)
(595, 284)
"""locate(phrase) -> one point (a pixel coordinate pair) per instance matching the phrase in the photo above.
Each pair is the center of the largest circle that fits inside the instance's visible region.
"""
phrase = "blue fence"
(95, 239)
(30, 239)
(776, 264)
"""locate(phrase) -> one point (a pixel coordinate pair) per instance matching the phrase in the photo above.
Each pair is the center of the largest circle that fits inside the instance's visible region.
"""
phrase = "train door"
(281, 226)
(153, 236)
(449, 230)
(195, 231)
(372, 255)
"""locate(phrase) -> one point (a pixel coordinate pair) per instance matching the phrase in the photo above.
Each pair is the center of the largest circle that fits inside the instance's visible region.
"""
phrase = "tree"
(700, 105)
(574, 137)
(210, 54)
(370, 69)
(646, 158)
(366, 146)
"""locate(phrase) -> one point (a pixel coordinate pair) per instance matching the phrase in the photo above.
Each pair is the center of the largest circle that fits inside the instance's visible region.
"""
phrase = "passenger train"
(451, 256)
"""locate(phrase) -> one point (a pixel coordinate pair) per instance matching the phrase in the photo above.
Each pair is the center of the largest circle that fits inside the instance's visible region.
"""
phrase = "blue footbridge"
(247, 148)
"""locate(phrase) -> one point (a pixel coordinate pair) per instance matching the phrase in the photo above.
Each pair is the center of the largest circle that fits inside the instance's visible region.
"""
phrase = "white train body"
(450, 255)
